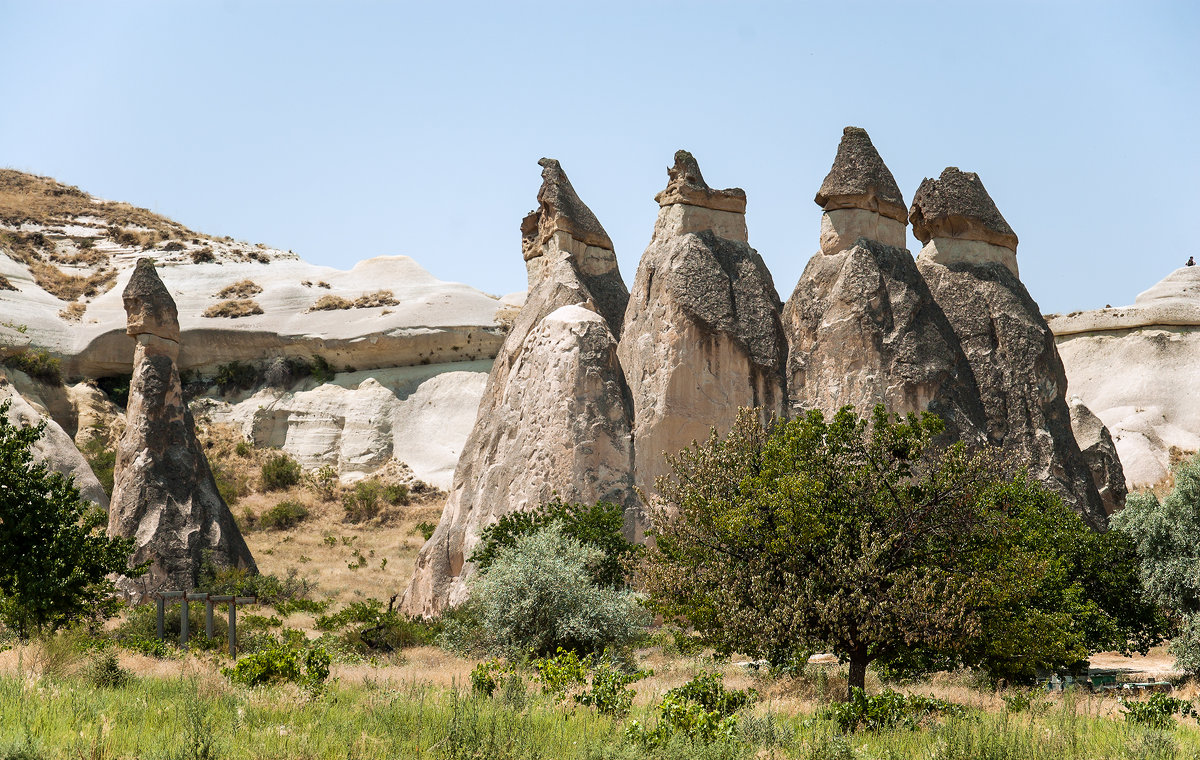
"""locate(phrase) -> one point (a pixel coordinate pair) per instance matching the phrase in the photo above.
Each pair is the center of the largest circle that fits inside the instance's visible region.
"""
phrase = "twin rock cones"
(595, 383)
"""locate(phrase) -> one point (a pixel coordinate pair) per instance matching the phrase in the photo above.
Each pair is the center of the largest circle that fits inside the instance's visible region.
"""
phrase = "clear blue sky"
(352, 129)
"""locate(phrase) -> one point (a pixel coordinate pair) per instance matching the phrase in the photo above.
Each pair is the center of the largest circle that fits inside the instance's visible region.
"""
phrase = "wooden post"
(162, 604)
(215, 600)
(183, 622)
(208, 607)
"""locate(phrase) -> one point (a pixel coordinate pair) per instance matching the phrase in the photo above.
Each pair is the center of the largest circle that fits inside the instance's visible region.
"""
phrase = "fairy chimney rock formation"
(860, 197)
(164, 495)
(957, 221)
(702, 334)
(862, 327)
(969, 262)
(555, 416)
(1100, 455)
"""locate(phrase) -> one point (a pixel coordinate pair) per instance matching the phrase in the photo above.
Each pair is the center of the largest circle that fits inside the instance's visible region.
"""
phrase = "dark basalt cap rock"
(860, 179)
(686, 185)
(956, 205)
(559, 208)
(149, 308)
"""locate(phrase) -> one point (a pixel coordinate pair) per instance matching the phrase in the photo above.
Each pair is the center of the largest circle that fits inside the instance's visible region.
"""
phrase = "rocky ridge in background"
(1136, 367)
(969, 261)
(861, 296)
(555, 416)
(65, 256)
(164, 496)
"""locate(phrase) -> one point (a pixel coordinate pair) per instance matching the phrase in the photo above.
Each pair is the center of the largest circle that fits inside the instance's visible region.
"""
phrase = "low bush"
(1158, 712)
(538, 596)
(269, 589)
(73, 312)
(230, 484)
(280, 471)
(425, 528)
(105, 671)
(609, 691)
(365, 301)
(368, 628)
(702, 710)
(284, 515)
(281, 663)
(323, 482)
(234, 309)
(102, 458)
(203, 256)
(889, 709)
(365, 501)
(243, 449)
(239, 289)
(235, 376)
(38, 364)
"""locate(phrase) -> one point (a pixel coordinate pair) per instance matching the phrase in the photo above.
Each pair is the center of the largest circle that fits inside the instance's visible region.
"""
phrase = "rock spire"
(702, 334)
(862, 327)
(860, 197)
(164, 495)
(555, 416)
(969, 262)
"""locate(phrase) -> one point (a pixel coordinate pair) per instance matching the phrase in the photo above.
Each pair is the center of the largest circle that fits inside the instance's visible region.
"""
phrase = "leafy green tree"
(1166, 535)
(56, 558)
(598, 526)
(868, 540)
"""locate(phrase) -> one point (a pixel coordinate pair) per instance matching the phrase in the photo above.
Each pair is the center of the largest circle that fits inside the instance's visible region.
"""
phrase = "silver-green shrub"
(538, 595)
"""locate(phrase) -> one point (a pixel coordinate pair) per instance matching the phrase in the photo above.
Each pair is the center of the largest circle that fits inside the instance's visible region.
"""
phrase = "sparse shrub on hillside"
(426, 529)
(230, 485)
(173, 246)
(70, 287)
(396, 494)
(368, 628)
(116, 387)
(203, 256)
(538, 596)
(105, 671)
(280, 471)
(235, 309)
(38, 364)
(73, 312)
(102, 458)
(284, 515)
(235, 376)
(270, 589)
(281, 663)
(243, 449)
(324, 482)
(239, 289)
(889, 709)
(363, 502)
(5, 284)
(365, 301)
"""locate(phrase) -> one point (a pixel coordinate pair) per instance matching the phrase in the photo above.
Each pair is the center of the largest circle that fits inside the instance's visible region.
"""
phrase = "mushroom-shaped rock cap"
(686, 185)
(860, 179)
(149, 308)
(956, 205)
(559, 208)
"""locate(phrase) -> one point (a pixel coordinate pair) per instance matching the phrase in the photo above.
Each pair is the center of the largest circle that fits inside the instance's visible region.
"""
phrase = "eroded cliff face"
(969, 262)
(164, 495)
(702, 335)
(555, 415)
(1136, 367)
(862, 326)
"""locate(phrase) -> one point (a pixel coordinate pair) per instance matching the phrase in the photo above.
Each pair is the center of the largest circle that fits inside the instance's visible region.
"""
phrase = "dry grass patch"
(242, 307)
(74, 311)
(69, 287)
(240, 289)
(365, 301)
(5, 284)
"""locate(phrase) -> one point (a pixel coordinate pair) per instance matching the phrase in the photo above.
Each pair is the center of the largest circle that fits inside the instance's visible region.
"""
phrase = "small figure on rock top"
(1191, 262)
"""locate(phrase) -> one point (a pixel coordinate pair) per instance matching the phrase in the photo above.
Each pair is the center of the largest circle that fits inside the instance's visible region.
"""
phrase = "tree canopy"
(866, 539)
(56, 557)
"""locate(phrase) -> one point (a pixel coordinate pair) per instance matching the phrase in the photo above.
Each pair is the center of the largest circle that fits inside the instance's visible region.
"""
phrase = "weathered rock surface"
(1007, 342)
(55, 447)
(555, 416)
(864, 329)
(358, 421)
(1136, 367)
(164, 496)
(702, 334)
(1100, 455)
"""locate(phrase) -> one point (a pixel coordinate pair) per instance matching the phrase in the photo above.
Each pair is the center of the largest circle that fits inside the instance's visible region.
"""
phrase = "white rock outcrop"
(1136, 368)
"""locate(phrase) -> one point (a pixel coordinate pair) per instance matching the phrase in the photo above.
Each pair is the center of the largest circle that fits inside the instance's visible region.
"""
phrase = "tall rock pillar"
(862, 327)
(555, 416)
(702, 335)
(164, 496)
(970, 263)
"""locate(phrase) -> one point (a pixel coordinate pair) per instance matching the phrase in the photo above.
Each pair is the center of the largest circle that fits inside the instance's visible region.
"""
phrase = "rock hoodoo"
(702, 334)
(862, 327)
(1100, 455)
(969, 262)
(555, 416)
(164, 495)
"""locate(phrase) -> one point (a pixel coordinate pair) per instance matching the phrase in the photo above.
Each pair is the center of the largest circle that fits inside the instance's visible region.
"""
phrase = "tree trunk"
(858, 673)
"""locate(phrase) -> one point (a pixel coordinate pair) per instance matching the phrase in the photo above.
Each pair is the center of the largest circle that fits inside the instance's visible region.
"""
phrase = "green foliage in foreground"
(282, 664)
(1158, 711)
(57, 559)
(869, 539)
(153, 718)
(888, 709)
